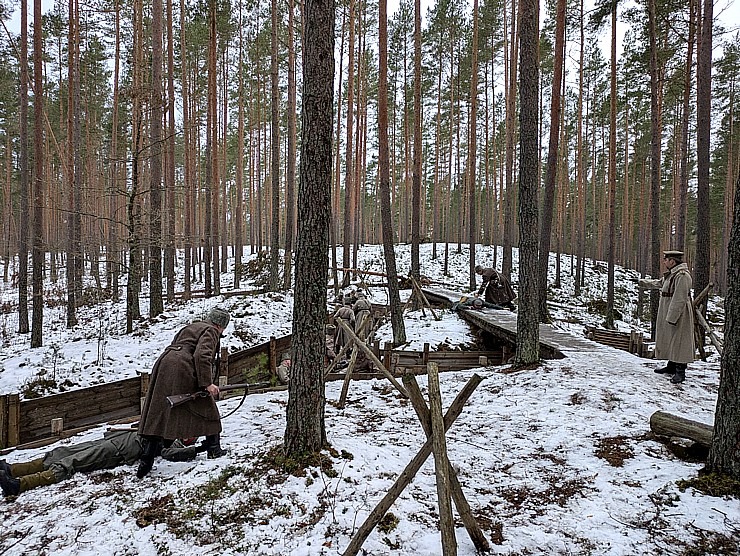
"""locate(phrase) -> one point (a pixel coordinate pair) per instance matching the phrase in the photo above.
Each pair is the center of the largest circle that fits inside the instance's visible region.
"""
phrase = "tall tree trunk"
(723, 453)
(38, 253)
(275, 151)
(133, 211)
(580, 181)
(506, 262)
(23, 227)
(681, 209)
(703, 131)
(290, 223)
(189, 192)
(655, 147)
(113, 251)
(211, 219)
(416, 176)
(348, 160)
(552, 160)
(612, 176)
(397, 324)
(239, 213)
(71, 174)
(305, 431)
(169, 254)
(528, 333)
(473, 146)
(156, 305)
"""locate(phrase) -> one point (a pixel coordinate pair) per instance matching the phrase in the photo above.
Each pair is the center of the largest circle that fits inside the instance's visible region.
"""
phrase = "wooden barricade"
(31, 421)
(633, 341)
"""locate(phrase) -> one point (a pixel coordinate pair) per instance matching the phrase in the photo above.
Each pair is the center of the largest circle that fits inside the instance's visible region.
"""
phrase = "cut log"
(666, 424)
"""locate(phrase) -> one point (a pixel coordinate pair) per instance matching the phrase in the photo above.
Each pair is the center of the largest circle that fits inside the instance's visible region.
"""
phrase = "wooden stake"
(461, 503)
(441, 463)
(407, 475)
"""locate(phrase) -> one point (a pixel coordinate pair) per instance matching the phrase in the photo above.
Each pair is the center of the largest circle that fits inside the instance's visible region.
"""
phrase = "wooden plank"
(441, 463)
(14, 420)
(81, 404)
(3, 420)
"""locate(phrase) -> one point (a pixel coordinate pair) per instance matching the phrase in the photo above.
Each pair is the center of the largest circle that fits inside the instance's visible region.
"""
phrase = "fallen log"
(663, 423)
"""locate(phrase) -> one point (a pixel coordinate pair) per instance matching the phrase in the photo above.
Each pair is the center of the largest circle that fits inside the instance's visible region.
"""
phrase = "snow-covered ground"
(532, 448)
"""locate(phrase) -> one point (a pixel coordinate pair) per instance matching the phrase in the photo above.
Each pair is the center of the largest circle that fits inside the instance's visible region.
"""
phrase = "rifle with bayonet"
(180, 399)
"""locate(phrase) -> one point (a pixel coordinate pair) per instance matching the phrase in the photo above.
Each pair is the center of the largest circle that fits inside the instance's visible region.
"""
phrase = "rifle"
(180, 399)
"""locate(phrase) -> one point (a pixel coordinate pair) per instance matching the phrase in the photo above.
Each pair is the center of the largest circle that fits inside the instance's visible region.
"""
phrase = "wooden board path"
(554, 344)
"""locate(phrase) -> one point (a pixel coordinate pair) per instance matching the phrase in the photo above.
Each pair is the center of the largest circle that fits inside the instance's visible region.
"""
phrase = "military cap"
(673, 254)
(219, 317)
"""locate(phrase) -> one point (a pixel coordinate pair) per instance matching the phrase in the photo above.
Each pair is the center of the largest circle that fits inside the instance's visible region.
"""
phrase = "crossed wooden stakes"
(447, 482)
(355, 340)
(417, 293)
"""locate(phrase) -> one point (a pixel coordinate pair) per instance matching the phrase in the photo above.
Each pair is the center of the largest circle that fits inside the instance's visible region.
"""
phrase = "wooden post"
(57, 426)
(144, 389)
(407, 475)
(483, 361)
(347, 378)
(224, 363)
(14, 420)
(376, 348)
(3, 421)
(387, 352)
(223, 380)
(425, 354)
(441, 463)
(273, 356)
(461, 503)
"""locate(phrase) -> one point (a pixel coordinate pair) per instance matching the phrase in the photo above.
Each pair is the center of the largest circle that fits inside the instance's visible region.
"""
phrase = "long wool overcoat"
(497, 287)
(185, 366)
(674, 329)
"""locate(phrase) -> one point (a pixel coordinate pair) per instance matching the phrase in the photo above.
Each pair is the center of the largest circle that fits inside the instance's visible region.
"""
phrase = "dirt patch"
(615, 450)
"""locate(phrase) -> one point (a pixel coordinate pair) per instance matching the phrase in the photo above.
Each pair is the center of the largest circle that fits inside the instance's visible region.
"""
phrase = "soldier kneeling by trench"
(114, 449)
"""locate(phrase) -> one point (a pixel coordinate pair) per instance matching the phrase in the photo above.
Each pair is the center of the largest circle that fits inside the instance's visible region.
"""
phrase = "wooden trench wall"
(38, 419)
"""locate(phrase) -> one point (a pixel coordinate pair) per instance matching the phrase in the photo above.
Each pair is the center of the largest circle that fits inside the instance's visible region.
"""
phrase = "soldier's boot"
(212, 444)
(13, 487)
(26, 468)
(152, 447)
(669, 369)
(680, 375)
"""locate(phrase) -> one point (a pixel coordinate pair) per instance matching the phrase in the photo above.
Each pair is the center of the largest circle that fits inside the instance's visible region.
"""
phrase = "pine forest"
(134, 131)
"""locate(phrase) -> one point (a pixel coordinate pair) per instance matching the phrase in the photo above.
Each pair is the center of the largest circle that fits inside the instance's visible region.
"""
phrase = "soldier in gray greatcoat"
(345, 313)
(363, 316)
(674, 329)
(116, 448)
(187, 365)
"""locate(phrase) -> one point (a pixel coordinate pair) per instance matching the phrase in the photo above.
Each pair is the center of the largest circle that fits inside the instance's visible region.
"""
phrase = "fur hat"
(477, 303)
(219, 317)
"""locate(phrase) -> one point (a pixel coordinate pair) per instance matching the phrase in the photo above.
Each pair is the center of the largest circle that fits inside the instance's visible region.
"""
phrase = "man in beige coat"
(674, 333)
